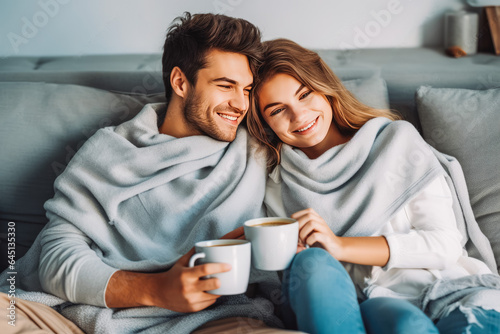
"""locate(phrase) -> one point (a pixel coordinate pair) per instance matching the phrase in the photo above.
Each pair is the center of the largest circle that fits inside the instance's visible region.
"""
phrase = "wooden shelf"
(493, 16)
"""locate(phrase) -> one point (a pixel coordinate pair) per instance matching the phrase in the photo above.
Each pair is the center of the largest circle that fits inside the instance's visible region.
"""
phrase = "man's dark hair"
(192, 36)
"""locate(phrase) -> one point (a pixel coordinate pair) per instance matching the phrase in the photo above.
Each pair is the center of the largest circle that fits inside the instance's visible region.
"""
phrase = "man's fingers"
(210, 268)
(203, 305)
(209, 284)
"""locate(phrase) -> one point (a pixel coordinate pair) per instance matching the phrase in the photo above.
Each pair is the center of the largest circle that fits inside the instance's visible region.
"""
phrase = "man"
(136, 197)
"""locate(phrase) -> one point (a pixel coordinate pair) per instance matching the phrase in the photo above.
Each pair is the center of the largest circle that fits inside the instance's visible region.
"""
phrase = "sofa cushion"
(466, 124)
(371, 91)
(42, 127)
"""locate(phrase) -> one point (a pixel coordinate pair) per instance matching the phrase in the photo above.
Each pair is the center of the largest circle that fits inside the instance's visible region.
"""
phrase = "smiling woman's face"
(299, 117)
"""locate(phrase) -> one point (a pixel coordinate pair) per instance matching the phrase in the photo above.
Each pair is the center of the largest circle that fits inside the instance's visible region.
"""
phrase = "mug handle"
(195, 257)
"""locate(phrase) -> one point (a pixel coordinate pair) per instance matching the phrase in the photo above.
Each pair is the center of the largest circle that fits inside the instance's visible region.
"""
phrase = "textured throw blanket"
(134, 199)
(358, 186)
(443, 296)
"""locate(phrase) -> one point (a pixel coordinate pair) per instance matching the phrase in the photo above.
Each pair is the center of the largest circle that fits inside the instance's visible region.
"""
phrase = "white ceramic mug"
(235, 252)
(273, 246)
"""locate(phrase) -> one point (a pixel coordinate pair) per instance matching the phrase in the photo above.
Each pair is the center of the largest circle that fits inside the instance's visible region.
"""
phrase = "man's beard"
(199, 118)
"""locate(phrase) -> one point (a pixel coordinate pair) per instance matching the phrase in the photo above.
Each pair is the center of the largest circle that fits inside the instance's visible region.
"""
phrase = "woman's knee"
(321, 293)
(390, 315)
(315, 261)
(315, 271)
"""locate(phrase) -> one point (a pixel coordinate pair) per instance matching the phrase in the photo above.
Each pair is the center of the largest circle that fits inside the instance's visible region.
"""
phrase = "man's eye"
(225, 87)
(306, 94)
(277, 111)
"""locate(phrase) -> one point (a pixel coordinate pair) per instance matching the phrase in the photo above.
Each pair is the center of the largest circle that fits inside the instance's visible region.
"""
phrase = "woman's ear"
(178, 82)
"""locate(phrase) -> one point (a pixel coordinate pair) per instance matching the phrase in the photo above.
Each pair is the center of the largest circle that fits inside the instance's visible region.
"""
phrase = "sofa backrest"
(45, 118)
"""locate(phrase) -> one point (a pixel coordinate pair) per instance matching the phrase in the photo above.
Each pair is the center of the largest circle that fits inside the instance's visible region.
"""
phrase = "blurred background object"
(95, 27)
(461, 33)
(492, 10)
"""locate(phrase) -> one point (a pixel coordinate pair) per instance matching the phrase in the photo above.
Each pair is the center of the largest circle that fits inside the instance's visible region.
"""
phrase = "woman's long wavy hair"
(287, 57)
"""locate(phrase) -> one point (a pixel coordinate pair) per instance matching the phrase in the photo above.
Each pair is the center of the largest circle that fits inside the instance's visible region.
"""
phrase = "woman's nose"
(298, 115)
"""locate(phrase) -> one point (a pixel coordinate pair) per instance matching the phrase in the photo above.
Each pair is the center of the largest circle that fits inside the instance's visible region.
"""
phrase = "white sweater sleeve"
(433, 240)
(69, 268)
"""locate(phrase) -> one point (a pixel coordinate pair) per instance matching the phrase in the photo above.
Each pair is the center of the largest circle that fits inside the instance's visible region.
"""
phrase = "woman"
(370, 193)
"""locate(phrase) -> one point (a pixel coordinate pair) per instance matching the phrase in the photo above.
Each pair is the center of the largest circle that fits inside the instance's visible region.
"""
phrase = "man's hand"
(179, 289)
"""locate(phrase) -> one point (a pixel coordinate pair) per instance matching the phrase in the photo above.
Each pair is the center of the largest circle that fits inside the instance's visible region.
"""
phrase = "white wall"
(78, 27)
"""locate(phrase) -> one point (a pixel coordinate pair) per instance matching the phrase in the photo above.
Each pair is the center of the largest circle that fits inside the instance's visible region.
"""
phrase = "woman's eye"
(277, 111)
(306, 94)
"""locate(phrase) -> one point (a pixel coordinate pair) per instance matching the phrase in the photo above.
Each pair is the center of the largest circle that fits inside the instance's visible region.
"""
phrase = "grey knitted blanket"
(134, 199)
(358, 186)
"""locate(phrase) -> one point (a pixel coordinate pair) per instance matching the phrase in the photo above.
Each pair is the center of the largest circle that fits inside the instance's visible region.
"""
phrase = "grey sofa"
(49, 106)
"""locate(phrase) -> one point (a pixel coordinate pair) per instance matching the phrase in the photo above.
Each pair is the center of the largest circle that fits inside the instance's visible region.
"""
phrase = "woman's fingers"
(312, 225)
(235, 234)
(306, 216)
(317, 238)
(304, 212)
(305, 230)
(300, 247)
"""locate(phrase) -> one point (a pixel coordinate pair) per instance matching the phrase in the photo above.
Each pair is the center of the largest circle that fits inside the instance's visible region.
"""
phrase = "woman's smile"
(310, 127)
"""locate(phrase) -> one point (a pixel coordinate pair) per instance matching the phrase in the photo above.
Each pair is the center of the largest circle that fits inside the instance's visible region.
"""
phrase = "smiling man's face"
(218, 102)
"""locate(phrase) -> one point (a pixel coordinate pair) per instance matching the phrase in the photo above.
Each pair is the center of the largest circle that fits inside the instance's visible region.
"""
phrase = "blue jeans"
(486, 321)
(320, 297)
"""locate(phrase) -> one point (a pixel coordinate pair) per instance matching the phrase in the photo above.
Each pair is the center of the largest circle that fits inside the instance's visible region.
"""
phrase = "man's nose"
(239, 101)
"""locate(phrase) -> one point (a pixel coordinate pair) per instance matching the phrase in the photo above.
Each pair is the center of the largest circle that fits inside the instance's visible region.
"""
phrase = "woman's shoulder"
(400, 131)
(384, 130)
(402, 126)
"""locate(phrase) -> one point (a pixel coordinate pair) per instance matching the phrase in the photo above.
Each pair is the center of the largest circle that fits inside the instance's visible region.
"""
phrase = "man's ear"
(178, 82)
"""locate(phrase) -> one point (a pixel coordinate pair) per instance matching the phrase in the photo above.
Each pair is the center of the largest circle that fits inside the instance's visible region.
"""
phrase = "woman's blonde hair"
(287, 57)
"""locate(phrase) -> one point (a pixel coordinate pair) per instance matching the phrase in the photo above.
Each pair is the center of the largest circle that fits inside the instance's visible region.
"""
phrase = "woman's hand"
(313, 231)
(238, 233)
